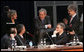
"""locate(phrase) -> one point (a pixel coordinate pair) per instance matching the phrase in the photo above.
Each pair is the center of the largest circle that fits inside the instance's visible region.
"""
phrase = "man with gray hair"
(42, 25)
(59, 35)
(42, 9)
(74, 20)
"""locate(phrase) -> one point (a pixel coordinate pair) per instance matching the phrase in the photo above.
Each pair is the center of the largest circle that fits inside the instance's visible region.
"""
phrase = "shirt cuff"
(46, 26)
(54, 35)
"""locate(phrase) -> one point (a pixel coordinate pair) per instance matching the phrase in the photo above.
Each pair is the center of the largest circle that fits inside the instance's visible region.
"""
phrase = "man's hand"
(49, 25)
(72, 33)
(55, 32)
(12, 35)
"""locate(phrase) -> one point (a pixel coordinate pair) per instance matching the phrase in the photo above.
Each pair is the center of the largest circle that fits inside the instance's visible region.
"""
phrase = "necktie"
(42, 21)
(70, 22)
(70, 19)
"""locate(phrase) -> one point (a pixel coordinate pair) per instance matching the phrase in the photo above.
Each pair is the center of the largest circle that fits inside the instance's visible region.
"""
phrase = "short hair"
(72, 7)
(11, 13)
(19, 28)
(11, 30)
(42, 9)
(62, 25)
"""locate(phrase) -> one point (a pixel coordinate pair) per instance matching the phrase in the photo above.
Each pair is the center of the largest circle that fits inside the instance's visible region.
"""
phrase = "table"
(69, 48)
(64, 48)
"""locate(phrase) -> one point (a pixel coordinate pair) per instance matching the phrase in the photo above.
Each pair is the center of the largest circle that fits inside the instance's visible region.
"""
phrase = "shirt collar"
(21, 36)
(74, 15)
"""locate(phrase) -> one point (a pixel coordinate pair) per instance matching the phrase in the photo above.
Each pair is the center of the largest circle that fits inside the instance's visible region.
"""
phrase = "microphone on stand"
(29, 33)
(49, 37)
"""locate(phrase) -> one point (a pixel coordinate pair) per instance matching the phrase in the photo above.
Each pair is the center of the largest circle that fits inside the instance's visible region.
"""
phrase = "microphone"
(49, 37)
(29, 33)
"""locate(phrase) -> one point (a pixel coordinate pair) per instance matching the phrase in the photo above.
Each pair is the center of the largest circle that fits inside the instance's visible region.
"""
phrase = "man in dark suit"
(74, 20)
(42, 25)
(19, 37)
(59, 35)
(8, 37)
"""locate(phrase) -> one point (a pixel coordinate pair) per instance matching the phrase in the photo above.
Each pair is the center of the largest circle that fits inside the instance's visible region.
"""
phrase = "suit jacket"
(5, 42)
(74, 25)
(62, 39)
(20, 40)
(38, 22)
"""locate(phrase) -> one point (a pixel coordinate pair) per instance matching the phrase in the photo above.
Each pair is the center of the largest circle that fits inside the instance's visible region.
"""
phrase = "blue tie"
(42, 21)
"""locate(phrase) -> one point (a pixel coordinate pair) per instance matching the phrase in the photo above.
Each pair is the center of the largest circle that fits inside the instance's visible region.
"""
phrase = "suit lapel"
(21, 40)
(61, 36)
(73, 20)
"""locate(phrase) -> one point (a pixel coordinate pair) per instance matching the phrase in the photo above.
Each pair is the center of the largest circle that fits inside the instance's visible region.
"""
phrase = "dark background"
(25, 12)
(62, 13)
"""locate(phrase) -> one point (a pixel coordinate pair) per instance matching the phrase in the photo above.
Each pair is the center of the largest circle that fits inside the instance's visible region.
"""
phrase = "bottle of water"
(77, 40)
(44, 41)
(74, 41)
(15, 45)
(41, 41)
(30, 44)
(13, 42)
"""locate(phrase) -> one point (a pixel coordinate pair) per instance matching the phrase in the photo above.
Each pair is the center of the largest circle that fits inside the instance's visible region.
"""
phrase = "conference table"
(63, 48)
